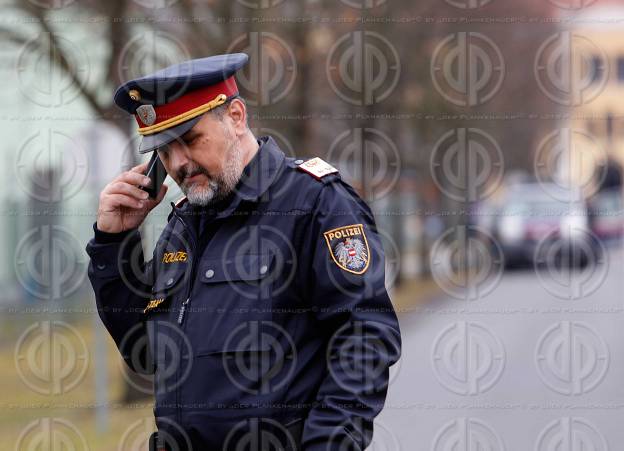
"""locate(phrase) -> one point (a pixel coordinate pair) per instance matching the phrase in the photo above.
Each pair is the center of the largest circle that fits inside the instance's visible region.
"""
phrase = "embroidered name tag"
(153, 304)
(172, 257)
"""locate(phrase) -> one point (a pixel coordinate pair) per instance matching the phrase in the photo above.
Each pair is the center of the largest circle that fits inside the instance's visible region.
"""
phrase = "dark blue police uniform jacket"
(264, 312)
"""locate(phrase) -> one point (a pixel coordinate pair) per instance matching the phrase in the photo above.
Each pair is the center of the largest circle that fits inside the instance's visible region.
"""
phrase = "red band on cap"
(191, 100)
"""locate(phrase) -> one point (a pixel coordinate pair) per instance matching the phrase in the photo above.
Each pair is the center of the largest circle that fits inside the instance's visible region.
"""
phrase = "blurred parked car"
(533, 227)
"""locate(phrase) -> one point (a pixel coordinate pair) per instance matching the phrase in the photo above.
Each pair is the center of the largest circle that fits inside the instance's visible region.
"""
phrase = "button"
(298, 161)
(170, 281)
(263, 269)
(101, 266)
(209, 274)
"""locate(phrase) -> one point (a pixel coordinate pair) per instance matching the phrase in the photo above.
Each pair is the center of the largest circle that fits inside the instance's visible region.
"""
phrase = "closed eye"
(189, 138)
(190, 141)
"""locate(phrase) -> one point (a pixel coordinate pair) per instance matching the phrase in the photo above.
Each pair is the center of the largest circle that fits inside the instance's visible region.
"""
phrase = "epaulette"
(316, 167)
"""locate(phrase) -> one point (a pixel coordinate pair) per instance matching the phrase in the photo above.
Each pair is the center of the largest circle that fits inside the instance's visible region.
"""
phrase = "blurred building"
(592, 135)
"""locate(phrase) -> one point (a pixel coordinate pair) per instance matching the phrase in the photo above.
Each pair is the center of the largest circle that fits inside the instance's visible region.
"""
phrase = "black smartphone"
(157, 173)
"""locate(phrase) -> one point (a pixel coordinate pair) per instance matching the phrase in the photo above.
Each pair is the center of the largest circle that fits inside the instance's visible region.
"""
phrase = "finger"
(127, 189)
(140, 167)
(121, 200)
(134, 178)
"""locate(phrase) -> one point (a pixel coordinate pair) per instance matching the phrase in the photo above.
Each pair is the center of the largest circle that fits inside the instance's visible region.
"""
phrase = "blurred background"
(486, 135)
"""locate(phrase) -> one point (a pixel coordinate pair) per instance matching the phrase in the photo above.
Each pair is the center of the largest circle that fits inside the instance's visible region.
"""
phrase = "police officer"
(262, 314)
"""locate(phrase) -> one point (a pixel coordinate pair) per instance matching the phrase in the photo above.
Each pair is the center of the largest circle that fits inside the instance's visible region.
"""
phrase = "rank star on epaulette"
(349, 248)
(317, 167)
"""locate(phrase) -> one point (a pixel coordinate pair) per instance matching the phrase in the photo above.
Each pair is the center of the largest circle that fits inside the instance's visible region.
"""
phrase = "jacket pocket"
(233, 304)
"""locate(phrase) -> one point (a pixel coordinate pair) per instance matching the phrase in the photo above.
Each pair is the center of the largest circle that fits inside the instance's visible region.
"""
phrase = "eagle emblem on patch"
(147, 114)
(349, 248)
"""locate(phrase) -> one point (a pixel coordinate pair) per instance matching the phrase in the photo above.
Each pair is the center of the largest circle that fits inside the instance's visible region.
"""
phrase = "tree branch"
(61, 60)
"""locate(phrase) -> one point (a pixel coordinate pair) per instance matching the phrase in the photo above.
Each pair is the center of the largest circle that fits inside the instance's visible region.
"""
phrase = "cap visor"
(153, 142)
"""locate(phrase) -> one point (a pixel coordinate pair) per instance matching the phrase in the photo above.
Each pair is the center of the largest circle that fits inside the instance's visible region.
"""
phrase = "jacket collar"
(262, 171)
(257, 177)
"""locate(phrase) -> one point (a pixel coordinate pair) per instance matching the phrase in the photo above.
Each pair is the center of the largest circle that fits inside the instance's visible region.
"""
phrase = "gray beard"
(220, 185)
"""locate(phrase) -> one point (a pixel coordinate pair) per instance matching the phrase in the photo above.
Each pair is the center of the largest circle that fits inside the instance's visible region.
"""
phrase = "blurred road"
(537, 363)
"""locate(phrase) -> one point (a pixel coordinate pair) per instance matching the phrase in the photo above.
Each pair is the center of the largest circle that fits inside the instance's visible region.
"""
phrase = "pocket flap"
(247, 267)
(247, 337)
(168, 277)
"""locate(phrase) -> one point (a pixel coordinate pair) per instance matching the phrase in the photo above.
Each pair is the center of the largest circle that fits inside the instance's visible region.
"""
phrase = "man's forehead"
(197, 130)
(192, 133)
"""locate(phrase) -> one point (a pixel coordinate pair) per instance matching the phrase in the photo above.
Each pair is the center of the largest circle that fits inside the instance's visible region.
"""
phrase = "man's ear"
(238, 115)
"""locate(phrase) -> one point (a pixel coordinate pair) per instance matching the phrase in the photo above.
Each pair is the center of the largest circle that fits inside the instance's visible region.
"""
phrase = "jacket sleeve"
(121, 281)
(346, 275)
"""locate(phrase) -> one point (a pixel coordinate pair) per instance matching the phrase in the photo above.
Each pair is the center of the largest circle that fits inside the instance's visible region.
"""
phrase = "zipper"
(184, 307)
(182, 310)
(190, 285)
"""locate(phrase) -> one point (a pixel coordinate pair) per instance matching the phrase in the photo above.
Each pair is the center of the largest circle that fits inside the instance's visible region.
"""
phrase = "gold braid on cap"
(190, 114)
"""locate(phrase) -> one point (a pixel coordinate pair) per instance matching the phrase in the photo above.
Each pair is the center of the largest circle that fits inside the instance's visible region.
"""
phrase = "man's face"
(207, 161)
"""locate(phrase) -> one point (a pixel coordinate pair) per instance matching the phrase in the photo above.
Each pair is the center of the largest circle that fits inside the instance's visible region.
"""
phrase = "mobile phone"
(157, 173)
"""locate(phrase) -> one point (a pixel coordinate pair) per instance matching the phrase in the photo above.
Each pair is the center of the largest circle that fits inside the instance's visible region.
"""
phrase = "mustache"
(185, 172)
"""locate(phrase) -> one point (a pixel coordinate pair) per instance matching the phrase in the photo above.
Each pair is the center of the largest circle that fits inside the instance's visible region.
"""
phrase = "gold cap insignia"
(134, 94)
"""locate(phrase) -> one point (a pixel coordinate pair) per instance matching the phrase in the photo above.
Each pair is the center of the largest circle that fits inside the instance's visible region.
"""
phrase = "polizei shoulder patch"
(349, 248)
(317, 167)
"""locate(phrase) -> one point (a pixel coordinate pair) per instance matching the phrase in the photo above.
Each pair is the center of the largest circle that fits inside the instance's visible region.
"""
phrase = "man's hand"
(123, 205)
